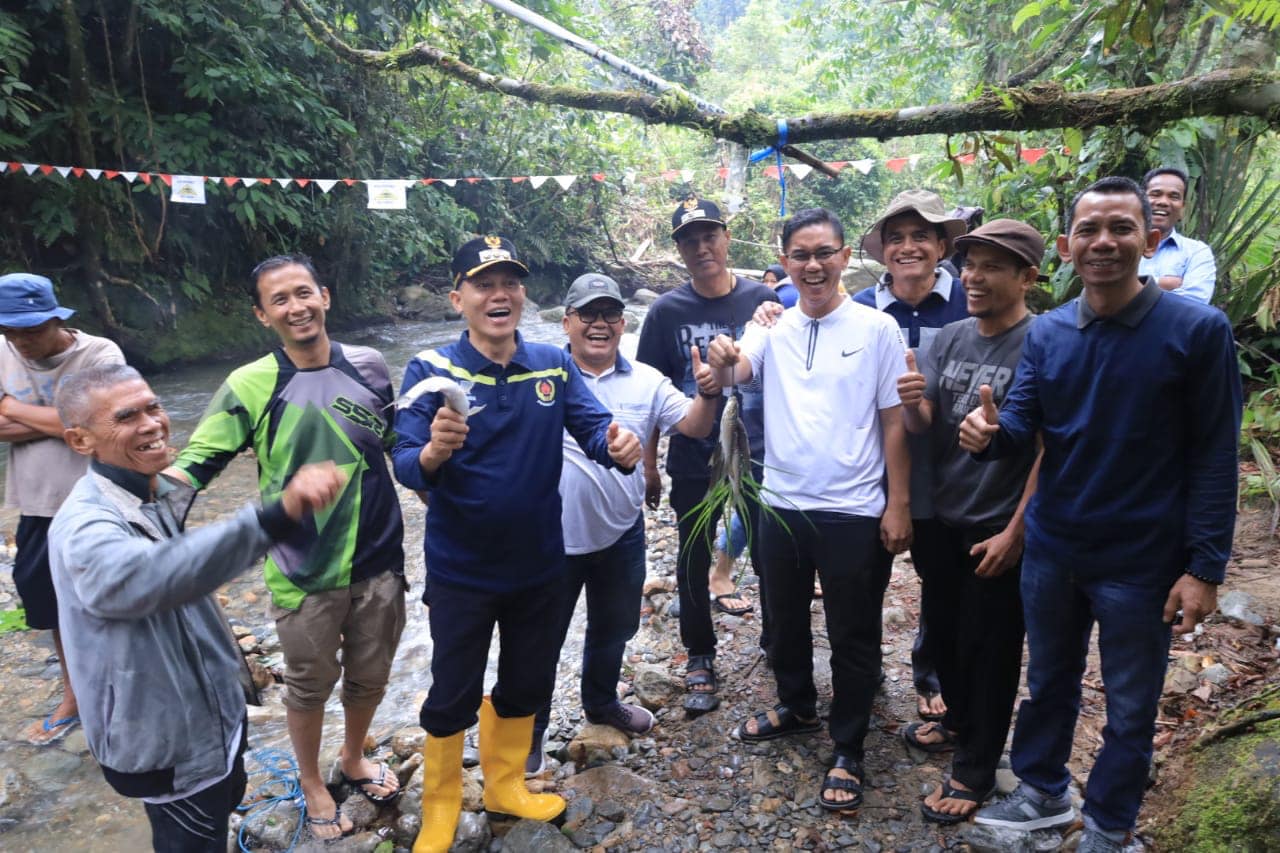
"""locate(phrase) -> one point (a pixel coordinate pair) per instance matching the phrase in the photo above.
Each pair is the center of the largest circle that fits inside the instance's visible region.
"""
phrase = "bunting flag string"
(391, 193)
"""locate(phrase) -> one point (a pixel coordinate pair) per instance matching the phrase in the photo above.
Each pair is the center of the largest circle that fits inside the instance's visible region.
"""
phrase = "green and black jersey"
(341, 412)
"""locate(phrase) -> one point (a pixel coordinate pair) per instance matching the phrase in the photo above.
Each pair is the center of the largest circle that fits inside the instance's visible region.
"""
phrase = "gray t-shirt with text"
(966, 492)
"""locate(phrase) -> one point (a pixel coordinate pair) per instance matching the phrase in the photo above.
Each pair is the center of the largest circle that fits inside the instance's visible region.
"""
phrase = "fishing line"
(282, 771)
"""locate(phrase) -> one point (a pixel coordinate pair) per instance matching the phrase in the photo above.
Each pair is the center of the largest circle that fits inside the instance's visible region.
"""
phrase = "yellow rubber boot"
(504, 745)
(441, 793)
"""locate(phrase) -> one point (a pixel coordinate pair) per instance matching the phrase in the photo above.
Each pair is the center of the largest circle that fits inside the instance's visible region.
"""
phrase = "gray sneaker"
(1021, 811)
(1094, 841)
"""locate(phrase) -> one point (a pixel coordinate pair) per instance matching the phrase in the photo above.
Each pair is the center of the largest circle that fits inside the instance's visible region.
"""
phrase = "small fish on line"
(455, 397)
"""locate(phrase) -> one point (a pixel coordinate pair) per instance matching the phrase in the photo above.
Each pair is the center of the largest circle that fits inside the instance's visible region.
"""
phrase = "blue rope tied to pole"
(776, 151)
(282, 771)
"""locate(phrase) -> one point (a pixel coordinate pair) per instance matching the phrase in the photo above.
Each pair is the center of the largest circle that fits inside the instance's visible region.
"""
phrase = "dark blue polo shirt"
(1141, 418)
(944, 304)
(493, 521)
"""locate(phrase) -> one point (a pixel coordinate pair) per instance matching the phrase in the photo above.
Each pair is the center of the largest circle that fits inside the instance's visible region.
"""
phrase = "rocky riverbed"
(688, 785)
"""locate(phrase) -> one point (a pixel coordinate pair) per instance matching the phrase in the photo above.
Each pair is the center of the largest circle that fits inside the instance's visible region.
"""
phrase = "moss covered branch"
(1231, 92)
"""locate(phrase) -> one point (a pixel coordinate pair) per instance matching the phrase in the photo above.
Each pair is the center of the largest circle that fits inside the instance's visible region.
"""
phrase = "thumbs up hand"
(624, 447)
(911, 384)
(979, 425)
(708, 383)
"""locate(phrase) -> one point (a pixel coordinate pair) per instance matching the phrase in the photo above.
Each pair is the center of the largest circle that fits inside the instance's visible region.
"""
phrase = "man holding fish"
(833, 427)
(494, 544)
(339, 583)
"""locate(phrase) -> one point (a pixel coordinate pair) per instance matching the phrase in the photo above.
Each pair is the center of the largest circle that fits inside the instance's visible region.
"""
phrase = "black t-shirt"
(679, 319)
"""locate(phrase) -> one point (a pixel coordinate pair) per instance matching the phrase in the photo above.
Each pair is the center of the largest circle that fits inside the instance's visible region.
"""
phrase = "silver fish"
(454, 395)
(732, 455)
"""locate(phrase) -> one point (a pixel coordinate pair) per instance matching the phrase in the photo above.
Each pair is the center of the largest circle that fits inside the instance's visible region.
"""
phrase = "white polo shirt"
(825, 382)
(601, 504)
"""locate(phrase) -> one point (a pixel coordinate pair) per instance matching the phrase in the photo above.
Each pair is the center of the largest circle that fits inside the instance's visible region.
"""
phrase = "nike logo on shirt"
(851, 352)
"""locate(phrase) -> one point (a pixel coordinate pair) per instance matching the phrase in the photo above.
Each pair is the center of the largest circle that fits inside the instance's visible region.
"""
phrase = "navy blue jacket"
(1141, 418)
(493, 517)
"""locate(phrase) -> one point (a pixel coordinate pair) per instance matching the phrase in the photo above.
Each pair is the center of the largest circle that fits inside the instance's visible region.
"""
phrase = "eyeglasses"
(591, 315)
(821, 256)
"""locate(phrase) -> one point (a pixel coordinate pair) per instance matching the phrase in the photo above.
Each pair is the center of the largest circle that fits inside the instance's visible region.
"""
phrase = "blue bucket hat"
(27, 300)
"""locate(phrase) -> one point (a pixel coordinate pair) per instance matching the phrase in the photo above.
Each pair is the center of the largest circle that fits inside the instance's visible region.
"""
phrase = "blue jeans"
(614, 580)
(1060, 608)
(733, 539)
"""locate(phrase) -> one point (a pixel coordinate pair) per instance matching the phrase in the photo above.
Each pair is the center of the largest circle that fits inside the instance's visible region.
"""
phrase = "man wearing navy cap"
(494, 544)
(39, 350)
(712, 302)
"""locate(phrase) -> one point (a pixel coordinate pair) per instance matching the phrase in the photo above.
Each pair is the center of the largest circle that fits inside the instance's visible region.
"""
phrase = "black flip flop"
(717, 600)
(950, 793)
(853, 786)
(699, 671)
(381, 782)
(947, 744)
(789, 723)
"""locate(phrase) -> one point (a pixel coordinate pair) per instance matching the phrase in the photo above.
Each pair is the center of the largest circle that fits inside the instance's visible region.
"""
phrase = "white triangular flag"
(565, 181)
(248, 182)
(800, 170)
(325, 184)
(914, 158)
(94, 173)
(284, 182)
(63, 170)
(129, 176)
(30, 168)
(187, 189)
(387, 195)
(863, 166)
(686, 175)
(536, 181)
(449, 182)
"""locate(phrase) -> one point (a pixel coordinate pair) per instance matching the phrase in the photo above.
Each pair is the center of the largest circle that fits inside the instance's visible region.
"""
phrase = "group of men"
(1118, 412)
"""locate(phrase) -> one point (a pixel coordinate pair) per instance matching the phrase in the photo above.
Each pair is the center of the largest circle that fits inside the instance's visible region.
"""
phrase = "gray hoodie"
(156, 670)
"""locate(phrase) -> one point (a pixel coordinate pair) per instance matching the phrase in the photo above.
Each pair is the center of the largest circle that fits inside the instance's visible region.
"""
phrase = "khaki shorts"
(364, 621)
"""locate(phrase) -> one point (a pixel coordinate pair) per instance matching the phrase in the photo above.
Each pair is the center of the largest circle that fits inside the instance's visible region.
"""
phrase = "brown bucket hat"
(930, 208)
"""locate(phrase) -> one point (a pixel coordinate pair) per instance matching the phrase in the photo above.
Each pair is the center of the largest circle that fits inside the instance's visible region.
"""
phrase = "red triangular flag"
(472, 180)
(48, 170)
(838, 165)
(897, 164)
(967, 158)
(146, 177)
(77, 171)
(520, 180)
(265, 180)
(426, 182)
(670, 175)
(15, 167)
(231, 181)
(302, 182)
(349, 181)
(598, 176)
(168, 179)
(771, 172)
(1032, 155)
(110, 173)
(722, 173)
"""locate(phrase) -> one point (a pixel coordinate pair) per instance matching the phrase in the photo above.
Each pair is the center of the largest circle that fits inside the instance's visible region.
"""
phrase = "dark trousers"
(978, 625)
(693, 563)
(31, 573)
(462, 622)
(614, 580)
(198, 824)
(924, 666)
(1061, 607)
(846, 554)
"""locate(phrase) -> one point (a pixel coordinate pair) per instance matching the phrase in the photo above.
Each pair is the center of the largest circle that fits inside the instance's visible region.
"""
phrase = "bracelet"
(710, 396)
(1202, 579)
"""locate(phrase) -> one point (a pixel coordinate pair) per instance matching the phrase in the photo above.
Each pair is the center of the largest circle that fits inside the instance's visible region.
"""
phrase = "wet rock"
(248, 643)
(406, 770)
(552, 315)
(262, 677)
(655, 687)
(407, 827)
(11, 786)
(611, 782)
(407, 741)
(360, 810)
(596, 744)
(994, 839)
(643, 296)
(50, 769)
(578, 811)
(274, 829)
(418, 303)
(364, 842)
(534, 836)
(473, 834)
(76, 743)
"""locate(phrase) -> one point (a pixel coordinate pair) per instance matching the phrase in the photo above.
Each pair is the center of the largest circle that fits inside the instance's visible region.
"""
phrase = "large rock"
(407, 741)
(534, 836)
(473, 835)
(596, 745)
(644, 296)
(655, 687)
(415, 302)
(611, 782)
(552, 315)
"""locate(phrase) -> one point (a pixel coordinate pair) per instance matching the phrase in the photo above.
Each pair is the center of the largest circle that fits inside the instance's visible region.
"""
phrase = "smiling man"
(1136, 393)
(604, 508)
(713, 301)
(971, 562)
(162, 680)
(494, 542)
(39, 351)
(912, 238)
(833, 427)
(338, 586)
(1180, 264)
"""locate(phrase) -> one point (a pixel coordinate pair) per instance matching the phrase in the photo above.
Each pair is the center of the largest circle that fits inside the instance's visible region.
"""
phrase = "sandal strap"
(838, 783)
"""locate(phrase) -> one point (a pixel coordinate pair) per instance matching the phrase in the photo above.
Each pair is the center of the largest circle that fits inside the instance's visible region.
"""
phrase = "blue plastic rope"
(283, 774)
(776, 150)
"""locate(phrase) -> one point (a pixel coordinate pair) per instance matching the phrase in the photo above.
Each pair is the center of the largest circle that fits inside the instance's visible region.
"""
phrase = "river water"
(58, 800)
